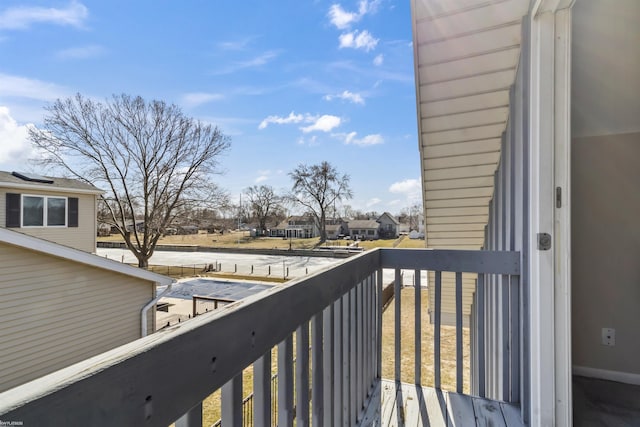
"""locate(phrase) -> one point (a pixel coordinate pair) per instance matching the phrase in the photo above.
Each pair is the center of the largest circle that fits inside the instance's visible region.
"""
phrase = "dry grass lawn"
(211, 406)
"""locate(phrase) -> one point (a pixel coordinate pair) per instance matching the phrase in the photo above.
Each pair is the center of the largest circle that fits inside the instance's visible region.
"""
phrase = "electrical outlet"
(608, 337)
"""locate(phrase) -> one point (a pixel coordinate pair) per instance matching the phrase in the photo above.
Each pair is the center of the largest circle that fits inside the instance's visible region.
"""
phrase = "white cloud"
(81, 52)
(358, 40)
(378, 60)
(324, 123)
(356, 98)
(350, 138)
(254, 62)
(195, 99)
(311, 141)
(261, 178)
(30, 88)
(291, 118)
(21, 17)
(15, 147)
(343, 19)
(411, 188)
(372, 202)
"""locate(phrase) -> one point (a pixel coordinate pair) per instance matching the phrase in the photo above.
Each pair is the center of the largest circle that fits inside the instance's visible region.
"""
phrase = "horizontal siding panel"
(456, 203)
(456, 227)
(463, 148)
(462, 135)
(465, 120)
(458, 193)
(430, 8)
(470, 219)
(56, 312)
(498, 81)
(472, 20)
(469, 45)
(464, 160)
(449, 212)
(447, 184)
(469, 66)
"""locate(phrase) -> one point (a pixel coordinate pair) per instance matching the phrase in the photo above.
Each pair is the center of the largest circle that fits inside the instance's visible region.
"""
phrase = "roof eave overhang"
(466, 55)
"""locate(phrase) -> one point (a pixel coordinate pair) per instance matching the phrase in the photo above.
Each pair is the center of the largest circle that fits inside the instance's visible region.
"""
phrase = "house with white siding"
(60, 210)
(59, 303)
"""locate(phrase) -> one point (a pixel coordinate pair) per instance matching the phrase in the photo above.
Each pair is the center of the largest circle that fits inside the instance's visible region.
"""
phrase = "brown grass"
(407, 339)
(211, 405)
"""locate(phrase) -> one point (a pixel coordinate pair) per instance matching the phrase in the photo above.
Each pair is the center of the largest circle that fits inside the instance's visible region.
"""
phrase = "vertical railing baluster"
(397, 289)
(459, 356)
(302, 375)
(328, 364)
(262, 390)
(514, 293)
(379, 325)
(317, 371)
(338, 377)
(353, 348)
(285, 383)
(481, 335)
(346, 373)
(193, 418)
(436, 328)
(232, 402)
(505, 347)
(360, 358)
(418, 327)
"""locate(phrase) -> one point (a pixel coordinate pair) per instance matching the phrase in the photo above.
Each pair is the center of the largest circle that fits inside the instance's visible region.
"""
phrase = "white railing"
(334, 317)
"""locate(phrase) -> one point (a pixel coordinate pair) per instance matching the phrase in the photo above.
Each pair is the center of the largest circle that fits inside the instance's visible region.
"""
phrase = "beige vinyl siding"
(82, 237)
(56, 312)
(448, 297)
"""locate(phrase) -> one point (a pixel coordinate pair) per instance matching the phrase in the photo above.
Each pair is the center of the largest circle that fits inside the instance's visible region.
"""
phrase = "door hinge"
(544, 241)
(558, 197)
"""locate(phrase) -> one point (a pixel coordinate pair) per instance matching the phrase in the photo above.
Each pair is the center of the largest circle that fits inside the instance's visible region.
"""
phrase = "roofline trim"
(60, 251)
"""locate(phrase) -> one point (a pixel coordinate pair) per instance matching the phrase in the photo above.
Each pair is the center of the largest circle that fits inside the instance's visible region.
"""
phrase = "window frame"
(45, 209)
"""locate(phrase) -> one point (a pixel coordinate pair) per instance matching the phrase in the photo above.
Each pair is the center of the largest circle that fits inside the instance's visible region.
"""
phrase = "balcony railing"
(334, 317)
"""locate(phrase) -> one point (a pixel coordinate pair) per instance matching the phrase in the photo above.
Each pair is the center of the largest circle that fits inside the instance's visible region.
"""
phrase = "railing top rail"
(465, 261)
(154, 380)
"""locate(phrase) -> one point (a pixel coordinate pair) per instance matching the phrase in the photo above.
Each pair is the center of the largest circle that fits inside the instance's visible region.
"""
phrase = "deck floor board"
(400, 404)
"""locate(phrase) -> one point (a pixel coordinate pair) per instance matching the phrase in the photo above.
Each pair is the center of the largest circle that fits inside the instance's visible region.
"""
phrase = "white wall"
(606, 251)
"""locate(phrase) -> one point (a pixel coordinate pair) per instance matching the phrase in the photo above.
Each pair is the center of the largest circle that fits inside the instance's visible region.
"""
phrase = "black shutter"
(72, 212)
(13, 210)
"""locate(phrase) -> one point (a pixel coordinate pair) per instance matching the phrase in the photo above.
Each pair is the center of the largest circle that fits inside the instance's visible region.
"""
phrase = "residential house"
(297, 227)
(364, 229)
(61, 305)
(57, 209)
(389, 226)
(529, 135)
(336, 228)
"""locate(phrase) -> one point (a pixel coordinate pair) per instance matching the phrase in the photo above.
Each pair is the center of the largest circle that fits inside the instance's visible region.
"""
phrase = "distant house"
(57, 209)
(389, 226)
(297, 227)
(364, 229)
(61, 305)
(336, 228)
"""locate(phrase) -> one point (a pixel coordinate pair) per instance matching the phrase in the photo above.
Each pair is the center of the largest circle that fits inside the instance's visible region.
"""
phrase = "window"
(370, 232)
(44, 211)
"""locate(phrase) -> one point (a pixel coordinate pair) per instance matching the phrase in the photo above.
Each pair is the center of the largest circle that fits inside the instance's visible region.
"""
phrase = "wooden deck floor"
(411, 405)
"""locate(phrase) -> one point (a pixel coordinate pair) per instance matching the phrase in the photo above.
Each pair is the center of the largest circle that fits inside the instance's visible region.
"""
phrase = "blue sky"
(290, 82)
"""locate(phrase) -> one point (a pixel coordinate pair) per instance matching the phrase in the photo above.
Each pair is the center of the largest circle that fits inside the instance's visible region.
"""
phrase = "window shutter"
(13, 210)
(72, 212)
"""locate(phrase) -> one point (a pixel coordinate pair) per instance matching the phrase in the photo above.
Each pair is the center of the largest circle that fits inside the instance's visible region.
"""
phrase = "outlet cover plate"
(608, 337)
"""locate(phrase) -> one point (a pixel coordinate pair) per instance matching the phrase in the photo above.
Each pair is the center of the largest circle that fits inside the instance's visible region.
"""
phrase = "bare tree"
(152, 161)
(263, 203)
(318, 188)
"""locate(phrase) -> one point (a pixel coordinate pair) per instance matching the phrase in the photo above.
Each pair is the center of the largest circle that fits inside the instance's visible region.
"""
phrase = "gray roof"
(363, 224)
(391, 217)
(67, 185)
